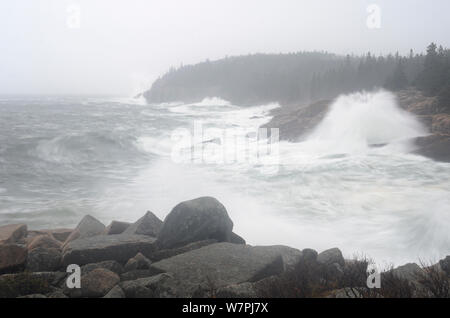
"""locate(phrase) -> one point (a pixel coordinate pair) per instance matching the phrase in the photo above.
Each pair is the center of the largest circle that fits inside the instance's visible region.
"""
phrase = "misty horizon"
(120, 48)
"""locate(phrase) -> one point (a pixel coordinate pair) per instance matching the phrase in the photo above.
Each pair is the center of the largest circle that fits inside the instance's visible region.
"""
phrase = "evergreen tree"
(431, 79)
(397, 80)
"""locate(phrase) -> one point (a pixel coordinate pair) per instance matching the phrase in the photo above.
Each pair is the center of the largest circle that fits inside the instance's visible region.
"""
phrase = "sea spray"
(360, 121)
(111, 159)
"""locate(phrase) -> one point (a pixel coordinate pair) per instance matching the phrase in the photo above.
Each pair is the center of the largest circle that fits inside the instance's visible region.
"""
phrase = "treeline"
(301, 77)
(434, 79)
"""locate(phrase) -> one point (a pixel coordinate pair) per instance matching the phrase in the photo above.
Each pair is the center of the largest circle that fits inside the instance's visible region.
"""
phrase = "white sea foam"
(357, 121)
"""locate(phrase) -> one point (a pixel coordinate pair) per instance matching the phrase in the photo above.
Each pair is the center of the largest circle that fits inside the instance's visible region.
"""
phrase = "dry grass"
(310, 279)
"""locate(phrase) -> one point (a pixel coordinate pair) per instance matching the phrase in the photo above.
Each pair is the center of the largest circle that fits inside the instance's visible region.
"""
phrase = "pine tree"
(431, 78)
(397, 80)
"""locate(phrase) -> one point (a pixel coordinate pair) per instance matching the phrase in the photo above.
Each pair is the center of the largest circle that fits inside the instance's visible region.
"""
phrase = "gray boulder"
(159, 286)
(309, 255)
(44, 241)
(12, 258)
(12, 233)
(224, 264)
(149, 225)
(56, 279)
(116, 292)
(408, 271)
(436, 147)
(107, 247)
(59, 234)
(43, 260)
(116, 227)
(331, 256)
(167, 253)
(196, 220)
(22, 284)
(113, 266)
(445, 265)
(88, 227)
(236, 239)
(138, 262)
(56, 294)
(138, 273)
(96, 283)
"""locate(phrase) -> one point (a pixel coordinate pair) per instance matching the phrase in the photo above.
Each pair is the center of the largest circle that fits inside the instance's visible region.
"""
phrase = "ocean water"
(352, 183)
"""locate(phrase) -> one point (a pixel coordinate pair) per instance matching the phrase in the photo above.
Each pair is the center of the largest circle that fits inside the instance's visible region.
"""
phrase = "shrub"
(393, 286)
(435, 282)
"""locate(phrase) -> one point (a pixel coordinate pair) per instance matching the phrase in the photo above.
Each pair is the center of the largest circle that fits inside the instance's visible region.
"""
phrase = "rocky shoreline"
(192, 253)
(295, 121)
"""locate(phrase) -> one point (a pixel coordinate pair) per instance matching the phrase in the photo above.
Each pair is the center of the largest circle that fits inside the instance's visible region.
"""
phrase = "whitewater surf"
(352, 182)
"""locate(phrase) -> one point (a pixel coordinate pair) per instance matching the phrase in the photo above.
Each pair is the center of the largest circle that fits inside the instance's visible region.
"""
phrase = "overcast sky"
(120, 46)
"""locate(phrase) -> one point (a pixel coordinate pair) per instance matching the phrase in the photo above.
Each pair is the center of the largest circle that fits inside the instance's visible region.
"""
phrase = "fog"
(119, 47)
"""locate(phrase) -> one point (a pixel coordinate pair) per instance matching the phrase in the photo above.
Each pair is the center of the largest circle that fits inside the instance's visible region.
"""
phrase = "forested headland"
(303, 77)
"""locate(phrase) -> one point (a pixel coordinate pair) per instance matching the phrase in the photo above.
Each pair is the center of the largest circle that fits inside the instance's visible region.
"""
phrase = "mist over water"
(350, 183)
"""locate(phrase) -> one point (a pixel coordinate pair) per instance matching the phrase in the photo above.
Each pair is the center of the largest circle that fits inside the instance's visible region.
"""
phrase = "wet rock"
(12, 258)
(139, 273)
(96, 249)
(310, 255)
(167, 253)
(295, 122)
(138, 262)
(116, 227)
(60, 235)
(44, 241)
(409, 271)
(441, 124)
(417, 103)
(113, 266)
(32, 234)
(43, 260)
(149, 225)
(88, 227)
(22, 284)
(160, 286)
(12, 233)
(445, 265)
(196, 220)
(116, 292)
(331, 256)
(96, 283)
(236, 239)
(55, 279)
(224, 264)
(56, 294)
(436, 147)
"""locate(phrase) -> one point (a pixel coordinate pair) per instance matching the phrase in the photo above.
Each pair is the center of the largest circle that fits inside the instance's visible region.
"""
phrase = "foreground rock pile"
(193, 253)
